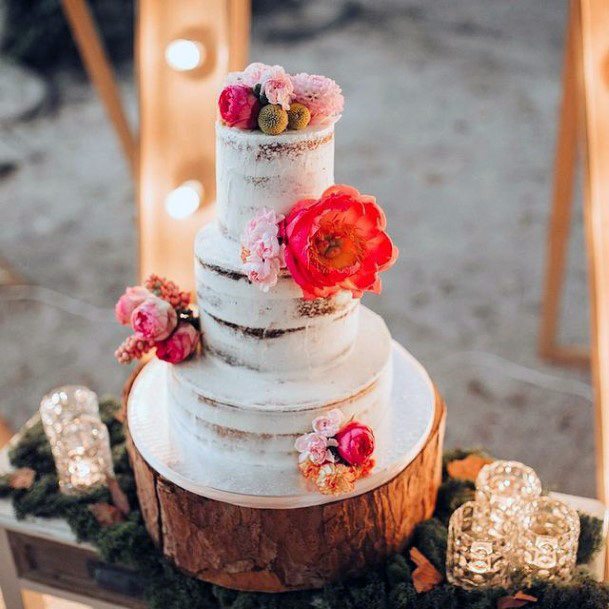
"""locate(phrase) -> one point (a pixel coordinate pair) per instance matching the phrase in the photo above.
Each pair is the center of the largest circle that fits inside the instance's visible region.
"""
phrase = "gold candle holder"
(506, 487)
(479, 551)
(83, 459)
(62, 405)
(546, 547)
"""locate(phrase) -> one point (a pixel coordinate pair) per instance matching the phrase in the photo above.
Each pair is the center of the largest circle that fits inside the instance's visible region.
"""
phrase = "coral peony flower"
(328, 424)
(180, 345)
(337, 242)
(315, 447)
(355, 443)
(277, 87)
(262, 254)
(321, 95)
(128, 302)
(239, 107)
(155, 319)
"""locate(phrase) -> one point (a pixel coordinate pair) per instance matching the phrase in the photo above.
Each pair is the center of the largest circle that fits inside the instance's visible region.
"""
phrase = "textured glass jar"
(62, 405)
(506, 487)
(479, 552)
(83, 459)
(546, 547)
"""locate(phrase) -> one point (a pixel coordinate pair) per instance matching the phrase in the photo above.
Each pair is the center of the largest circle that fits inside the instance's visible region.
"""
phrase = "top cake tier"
(256, 170)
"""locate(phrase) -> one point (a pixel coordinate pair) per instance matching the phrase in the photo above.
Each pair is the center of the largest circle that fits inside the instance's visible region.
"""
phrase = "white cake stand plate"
(399, 440)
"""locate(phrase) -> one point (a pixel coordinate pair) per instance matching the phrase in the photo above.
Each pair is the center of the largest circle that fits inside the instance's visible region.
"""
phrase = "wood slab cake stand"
(278, 550)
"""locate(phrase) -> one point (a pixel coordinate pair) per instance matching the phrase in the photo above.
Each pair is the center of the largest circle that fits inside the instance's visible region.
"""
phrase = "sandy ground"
(450, 121)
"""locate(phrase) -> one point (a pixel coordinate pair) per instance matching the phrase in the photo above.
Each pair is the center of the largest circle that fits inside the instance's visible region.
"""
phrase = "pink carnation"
(262, 253)
(321, 95)
(328, 424)
(251, 76)
(180, 345)
(155, 319)
(128, 302)
(277, 86)
(315, 447)
(239, 107)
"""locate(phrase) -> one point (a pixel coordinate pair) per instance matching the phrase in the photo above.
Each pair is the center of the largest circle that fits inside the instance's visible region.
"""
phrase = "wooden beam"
(595, 64)
(177, 121)
(569, 134)
(100, 72)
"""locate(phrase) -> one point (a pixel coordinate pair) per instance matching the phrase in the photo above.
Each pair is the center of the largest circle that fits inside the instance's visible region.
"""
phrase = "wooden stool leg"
(562, 201)
(9, 581)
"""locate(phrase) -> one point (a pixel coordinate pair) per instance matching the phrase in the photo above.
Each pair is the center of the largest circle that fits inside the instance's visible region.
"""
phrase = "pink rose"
(155, 319)
(128, 302)
(315, 447)
(355, 443)
(328, 424)
(239, 107)
(180, 345)
(277, 87)
(250, 77)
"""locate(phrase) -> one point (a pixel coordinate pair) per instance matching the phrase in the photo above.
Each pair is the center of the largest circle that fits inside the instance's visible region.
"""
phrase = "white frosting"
(277, 331)
(255, 170)
(245, 414)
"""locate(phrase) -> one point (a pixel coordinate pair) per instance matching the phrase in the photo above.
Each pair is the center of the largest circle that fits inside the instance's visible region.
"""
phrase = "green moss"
(388, 586)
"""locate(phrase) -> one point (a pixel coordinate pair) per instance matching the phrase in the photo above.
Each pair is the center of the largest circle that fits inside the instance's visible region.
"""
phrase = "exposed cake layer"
(254, 170)
(277, 331)
(240, 414)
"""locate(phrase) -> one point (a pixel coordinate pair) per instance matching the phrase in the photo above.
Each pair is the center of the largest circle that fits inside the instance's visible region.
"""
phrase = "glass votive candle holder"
(82, 455)
(61, 405)
(479, 552)
(506, 486)
(546, 547)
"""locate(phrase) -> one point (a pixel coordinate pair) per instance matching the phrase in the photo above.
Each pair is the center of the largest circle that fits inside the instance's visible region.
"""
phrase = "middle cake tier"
(277, 331)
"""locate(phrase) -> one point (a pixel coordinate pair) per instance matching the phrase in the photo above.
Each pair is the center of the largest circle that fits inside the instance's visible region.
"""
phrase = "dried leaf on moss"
(520, 599)
(106, 514)
(119, 499)
(467, 468)
(425, 577)
(22, 478)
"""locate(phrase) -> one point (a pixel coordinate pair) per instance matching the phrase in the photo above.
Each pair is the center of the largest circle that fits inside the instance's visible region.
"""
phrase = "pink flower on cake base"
(328, 424)
(277, 87)
(315, 448)
(128, 302)
(355, 443)
(239, 107)
(155, 319)
(179, 346)
(337, 242)
(261, 252)
(321, 95)
(335, 479)
(250, 77)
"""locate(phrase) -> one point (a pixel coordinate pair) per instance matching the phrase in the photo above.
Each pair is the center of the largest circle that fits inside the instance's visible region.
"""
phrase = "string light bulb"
(184, 55)
(184, 200)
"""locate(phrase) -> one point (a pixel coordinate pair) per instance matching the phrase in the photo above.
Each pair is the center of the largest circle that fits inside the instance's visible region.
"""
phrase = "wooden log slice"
(278, 550)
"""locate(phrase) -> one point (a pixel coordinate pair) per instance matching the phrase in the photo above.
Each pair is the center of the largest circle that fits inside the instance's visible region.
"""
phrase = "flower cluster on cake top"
(333, 456)
(160, 316)
(268, 98)
(334, 243)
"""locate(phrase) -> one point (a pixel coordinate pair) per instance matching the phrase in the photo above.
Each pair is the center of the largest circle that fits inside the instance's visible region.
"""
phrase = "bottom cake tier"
(173, 450)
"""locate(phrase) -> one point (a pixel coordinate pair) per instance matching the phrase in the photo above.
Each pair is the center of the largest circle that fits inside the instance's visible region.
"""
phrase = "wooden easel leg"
(100, 72)
(562, 201)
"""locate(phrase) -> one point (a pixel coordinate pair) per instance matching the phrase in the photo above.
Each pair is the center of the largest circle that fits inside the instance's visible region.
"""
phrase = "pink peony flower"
(155, 319)
(315, 447)
(355, 443)
(128, 302)
(262, 253)
(321, 95)
(239, 107)
(180, 345)
(277, 86)
(328, 425)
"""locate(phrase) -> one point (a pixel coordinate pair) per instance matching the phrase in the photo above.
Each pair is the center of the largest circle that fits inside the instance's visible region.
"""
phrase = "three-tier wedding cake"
(295, 396)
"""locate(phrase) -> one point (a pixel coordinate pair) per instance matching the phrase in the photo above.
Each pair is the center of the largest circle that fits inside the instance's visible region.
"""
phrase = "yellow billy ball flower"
(273, 119)
(298, 116)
